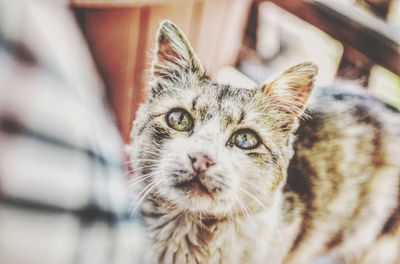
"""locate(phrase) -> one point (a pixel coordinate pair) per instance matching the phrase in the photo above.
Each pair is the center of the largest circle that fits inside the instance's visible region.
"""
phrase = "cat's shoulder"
(344, 107)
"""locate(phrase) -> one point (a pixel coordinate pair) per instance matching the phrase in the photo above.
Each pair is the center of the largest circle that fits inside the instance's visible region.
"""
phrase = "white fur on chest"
(180, 238)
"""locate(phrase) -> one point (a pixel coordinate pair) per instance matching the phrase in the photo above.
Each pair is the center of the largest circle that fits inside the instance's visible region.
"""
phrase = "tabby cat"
(231, 175)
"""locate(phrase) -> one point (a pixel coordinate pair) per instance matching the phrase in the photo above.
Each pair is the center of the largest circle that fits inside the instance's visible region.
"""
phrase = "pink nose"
(200, 162)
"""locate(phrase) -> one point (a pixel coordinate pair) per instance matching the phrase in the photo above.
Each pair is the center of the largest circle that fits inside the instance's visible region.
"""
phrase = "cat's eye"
(245, 139)
(179, 119)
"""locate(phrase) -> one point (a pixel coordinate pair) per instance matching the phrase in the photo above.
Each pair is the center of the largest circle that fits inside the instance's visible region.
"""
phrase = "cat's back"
(350, 126)
(344, 177)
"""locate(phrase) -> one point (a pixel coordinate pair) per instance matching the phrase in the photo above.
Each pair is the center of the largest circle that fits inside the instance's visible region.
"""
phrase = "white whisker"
(252, 197)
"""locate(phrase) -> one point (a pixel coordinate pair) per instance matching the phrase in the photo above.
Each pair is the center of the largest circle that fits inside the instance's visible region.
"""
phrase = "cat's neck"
(183, 237)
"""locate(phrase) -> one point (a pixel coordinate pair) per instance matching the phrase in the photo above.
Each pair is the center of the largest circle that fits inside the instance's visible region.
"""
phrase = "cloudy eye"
(245, 139)
(179, 119)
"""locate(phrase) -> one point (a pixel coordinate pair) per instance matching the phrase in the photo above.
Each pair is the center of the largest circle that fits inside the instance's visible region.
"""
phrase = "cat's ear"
(173, 55)
(290, 91)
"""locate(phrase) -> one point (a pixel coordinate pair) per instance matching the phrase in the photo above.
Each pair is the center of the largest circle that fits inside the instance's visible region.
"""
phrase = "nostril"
(208, 162)
(192, 159)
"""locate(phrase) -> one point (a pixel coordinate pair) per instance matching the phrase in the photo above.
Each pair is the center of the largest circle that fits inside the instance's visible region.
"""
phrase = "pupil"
(180, 118)
(244, 139)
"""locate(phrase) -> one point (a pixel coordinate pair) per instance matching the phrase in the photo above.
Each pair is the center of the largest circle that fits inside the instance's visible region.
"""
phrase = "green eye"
(179, 119)
(245, 139)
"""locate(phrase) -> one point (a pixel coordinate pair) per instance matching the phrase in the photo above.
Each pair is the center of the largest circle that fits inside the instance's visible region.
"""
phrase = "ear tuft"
(173, 54)
(290, 91)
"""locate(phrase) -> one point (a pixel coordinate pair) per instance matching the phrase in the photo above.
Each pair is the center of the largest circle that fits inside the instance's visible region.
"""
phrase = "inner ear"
(174, 57)
(166, 51)
(289, 92)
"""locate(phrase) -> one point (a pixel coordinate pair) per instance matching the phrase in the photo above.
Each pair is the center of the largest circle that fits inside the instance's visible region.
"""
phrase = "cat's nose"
(200, 161)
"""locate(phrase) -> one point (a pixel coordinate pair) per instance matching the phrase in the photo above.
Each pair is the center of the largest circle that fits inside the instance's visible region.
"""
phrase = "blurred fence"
(63, 196)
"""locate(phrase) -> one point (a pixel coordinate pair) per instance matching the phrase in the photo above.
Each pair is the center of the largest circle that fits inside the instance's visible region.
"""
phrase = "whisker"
(257, 188)
(142, 195)
(244, 209)
(252, 196)
(141, 179)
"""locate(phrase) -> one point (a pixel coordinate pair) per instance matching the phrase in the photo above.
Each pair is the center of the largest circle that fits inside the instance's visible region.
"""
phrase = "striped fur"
(324, 183)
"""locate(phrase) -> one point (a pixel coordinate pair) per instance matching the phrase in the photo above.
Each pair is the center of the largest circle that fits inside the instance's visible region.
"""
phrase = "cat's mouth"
(194, 186)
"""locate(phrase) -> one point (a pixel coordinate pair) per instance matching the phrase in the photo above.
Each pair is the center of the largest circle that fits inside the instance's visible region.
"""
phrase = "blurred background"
(355, 40)
(73, 72)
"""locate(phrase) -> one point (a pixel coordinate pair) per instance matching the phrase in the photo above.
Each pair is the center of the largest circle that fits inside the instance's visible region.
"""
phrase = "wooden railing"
(366, 38)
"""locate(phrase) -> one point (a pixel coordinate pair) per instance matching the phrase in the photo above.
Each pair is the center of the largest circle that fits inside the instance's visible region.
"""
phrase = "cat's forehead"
(209, 100)
(221, 99)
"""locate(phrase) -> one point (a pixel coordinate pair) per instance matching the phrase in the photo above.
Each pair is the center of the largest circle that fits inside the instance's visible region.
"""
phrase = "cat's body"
(230, 175)
(343, 181)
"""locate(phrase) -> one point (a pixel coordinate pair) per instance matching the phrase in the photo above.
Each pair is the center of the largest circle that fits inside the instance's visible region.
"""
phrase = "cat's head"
(210, 148)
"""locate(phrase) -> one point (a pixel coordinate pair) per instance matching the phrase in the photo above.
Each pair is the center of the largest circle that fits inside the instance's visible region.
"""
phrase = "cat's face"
(211, 148)
(207, 145)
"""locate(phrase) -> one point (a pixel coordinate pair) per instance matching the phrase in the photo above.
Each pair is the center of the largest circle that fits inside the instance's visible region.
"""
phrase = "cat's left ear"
(173, 55)
(289, 92)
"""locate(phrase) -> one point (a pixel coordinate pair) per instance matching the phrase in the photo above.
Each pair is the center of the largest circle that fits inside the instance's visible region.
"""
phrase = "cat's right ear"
(174, 58)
